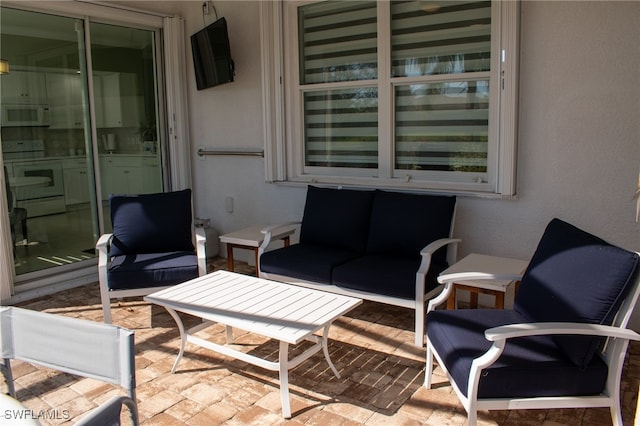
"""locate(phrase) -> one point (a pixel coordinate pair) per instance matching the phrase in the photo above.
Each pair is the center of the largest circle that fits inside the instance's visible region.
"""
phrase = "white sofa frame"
(418, 304)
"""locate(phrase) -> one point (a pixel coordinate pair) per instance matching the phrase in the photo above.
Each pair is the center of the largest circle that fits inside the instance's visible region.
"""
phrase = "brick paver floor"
(372, 347)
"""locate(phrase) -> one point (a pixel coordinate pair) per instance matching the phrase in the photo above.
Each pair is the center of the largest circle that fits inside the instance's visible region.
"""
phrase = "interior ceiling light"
(429, 7)
(4, 66)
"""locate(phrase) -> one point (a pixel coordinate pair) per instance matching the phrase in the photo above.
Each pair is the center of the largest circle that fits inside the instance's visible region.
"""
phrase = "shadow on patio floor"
(382, 375)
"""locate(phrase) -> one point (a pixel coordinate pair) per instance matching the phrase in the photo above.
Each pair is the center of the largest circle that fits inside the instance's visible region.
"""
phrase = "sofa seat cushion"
(385, 274)
(152, 269)
(308, 262)
(403, 224)
(337, 218)
(523, 369)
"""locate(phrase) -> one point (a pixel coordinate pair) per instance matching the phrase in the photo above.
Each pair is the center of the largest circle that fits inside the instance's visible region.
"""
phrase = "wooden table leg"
(257, 260)
(473, 299)
(230, 257)
(451, 301)
(499, 300)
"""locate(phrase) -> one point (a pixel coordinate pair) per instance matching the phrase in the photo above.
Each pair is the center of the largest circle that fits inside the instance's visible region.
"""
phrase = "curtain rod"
(127, 8)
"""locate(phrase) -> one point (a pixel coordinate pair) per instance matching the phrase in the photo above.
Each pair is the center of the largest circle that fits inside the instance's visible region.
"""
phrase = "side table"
(486, 264)
(250, 239)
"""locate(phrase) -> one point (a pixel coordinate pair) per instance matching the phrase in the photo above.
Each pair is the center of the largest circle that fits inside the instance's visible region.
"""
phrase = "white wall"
(579, 143)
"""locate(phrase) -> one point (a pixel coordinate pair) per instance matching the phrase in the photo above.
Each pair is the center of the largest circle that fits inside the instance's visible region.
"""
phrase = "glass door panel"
(60, 175)
(125, 88)
(47, 153)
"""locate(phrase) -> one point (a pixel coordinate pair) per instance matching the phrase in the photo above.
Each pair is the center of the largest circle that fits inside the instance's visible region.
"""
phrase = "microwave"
(23, 115)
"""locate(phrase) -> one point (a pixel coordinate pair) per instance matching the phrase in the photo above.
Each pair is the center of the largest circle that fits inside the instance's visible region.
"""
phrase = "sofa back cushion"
(403, 224)
(336, 217)
(575, 277)
(151, 223)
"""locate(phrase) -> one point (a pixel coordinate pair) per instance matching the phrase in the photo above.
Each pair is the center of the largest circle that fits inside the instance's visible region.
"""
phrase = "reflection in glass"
(440, 37)
(436, 130)
(338, 41)
(341, 128)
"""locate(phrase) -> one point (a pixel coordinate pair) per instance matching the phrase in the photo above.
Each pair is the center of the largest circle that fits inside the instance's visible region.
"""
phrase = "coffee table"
(271, 309)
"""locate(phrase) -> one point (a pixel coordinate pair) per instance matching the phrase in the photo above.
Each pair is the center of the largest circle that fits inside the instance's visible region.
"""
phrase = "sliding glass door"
(77, 124)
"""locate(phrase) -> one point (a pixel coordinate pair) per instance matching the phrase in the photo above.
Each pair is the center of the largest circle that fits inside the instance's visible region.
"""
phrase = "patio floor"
(382, 376)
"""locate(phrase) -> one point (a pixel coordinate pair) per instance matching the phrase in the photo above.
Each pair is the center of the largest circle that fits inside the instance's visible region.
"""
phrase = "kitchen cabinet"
(23, 87)
(116, 100)
(76, 181)
(129, 174)
(64, 96)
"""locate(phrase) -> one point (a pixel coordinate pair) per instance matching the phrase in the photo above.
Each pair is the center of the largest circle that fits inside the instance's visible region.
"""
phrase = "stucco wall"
(579, 131)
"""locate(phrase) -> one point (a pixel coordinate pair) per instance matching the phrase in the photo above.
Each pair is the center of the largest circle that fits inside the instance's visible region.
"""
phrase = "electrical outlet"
(205, 7)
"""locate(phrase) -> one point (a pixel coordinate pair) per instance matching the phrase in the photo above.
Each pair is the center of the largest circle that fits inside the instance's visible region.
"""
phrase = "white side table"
(488, 264)
(250, 239)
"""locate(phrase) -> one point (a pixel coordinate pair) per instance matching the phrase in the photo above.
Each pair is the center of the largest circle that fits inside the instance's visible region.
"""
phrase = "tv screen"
(212, 56)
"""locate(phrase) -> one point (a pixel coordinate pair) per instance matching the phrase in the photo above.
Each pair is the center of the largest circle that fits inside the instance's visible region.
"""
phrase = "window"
(400, 94)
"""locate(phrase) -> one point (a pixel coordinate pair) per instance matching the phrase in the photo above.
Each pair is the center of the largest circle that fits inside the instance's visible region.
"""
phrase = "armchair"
(562, 346)
(84, 348)
(151, 247)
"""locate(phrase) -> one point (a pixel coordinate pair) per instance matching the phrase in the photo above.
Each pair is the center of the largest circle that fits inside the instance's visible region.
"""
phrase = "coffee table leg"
(325, 349)
(183, 337)
(284, 379)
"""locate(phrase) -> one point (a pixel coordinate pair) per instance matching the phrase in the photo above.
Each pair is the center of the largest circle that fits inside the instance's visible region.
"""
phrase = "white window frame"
(282, 99)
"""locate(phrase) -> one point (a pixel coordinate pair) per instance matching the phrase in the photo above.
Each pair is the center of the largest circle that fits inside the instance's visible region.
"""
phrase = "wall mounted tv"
(212, 56)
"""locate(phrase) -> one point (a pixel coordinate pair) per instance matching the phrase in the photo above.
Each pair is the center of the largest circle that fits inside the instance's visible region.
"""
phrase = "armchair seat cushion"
(134, 271)
(528, 367)
(386, 275)
(309, 262)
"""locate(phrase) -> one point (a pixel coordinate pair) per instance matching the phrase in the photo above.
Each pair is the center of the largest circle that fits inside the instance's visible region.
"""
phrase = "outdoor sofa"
(382, 246)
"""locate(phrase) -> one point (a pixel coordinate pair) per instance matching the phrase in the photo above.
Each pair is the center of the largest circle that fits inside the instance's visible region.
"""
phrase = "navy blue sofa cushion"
(151, 223)
(403, 224)
(575, 277)
(308, 262)
(337, 218)
(151, 270)
(528, 367)
(386, 274)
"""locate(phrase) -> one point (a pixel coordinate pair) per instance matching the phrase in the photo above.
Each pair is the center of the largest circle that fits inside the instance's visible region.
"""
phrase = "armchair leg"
(419, 327)
(428, 371)
(106, 304)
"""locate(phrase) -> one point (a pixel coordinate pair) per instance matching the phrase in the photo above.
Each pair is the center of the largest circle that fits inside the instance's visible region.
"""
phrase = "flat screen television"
(212, 55)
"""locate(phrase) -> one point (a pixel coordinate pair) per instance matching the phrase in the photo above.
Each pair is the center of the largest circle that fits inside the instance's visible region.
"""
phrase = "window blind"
(441, 123)
(338, 41)
(339, 44)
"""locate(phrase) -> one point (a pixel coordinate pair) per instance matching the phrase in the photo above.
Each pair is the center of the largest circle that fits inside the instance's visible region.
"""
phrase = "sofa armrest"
(102, 246)
(269, 232)
(201, 250)
(429, 249)
(511, 331)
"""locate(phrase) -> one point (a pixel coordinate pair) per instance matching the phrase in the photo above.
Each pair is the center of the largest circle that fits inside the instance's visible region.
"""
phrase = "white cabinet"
(116, 100)
(129, 174)
(23, 87)
(64, 96)
(76, 181)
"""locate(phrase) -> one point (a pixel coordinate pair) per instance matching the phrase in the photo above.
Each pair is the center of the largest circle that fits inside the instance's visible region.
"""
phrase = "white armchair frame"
(106, 294)
(617, 335)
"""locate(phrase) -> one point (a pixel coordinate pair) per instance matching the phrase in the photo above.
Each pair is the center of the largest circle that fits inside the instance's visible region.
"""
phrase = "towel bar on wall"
(221, 151)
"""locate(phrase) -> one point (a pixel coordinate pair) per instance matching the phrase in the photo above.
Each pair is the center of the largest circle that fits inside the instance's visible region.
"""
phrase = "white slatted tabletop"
(275, 310)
